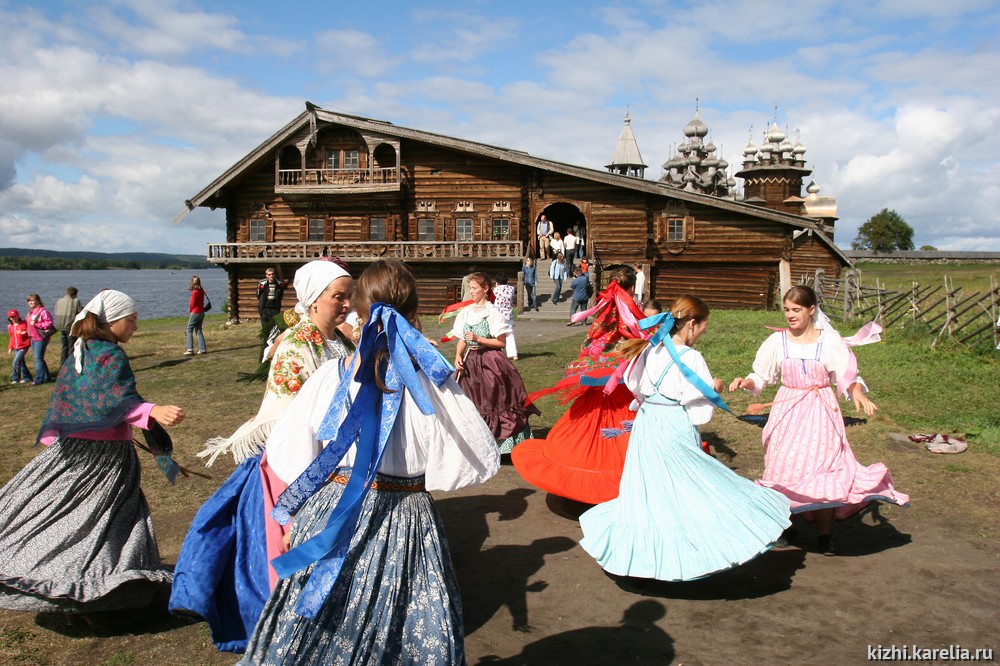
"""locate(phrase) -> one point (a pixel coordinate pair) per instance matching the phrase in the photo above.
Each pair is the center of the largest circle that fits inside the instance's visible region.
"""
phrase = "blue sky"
(113, 113)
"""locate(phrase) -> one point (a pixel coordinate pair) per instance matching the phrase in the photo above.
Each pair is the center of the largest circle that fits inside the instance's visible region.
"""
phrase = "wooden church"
(330, 184)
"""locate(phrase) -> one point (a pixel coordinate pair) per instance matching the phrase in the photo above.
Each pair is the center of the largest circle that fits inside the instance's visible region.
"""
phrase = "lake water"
(158, 293)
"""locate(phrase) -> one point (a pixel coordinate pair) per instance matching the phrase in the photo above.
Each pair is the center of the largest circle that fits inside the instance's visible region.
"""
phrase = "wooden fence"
(943, 310)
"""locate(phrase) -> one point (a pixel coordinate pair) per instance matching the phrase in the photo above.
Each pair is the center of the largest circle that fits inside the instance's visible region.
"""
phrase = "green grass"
(971, 277)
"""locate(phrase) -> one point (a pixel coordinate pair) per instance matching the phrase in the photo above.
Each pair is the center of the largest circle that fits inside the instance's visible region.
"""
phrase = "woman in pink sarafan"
(806, 453)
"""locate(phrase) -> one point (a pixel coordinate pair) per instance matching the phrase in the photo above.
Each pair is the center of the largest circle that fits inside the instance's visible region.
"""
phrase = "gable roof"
(313, 113)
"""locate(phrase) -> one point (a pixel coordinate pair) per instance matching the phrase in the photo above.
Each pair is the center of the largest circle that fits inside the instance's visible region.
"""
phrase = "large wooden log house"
(330, 184)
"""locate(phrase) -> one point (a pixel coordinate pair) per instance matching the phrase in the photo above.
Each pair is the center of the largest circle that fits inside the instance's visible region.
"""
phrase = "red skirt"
(575, 460)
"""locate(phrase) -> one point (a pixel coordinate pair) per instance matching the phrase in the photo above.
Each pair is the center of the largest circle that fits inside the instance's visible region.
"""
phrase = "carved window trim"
(465, 207)
(257, 230)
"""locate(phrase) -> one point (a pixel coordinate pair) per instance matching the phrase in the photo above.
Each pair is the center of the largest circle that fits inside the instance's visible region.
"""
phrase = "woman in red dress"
(576, 460)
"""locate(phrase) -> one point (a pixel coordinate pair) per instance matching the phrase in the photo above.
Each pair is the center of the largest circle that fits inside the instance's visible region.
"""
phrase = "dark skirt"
(396, 602)
(76, 532)
(495, 386)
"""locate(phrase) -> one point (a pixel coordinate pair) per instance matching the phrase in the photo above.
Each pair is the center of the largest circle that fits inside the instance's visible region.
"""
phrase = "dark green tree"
(886, 231)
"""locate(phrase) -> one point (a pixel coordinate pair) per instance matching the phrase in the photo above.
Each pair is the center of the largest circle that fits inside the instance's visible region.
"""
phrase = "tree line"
(88, 264)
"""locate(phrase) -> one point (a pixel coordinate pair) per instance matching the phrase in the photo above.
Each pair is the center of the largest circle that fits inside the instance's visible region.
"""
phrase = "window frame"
(372, 228)
(252, 224)
(470, 232)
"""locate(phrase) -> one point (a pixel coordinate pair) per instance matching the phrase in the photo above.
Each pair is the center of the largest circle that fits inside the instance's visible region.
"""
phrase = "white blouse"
(453, 447)
(644, 370)
(499, 325)
(835, 356)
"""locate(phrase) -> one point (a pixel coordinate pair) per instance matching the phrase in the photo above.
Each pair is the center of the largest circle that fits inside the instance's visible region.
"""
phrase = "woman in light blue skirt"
(680, 514)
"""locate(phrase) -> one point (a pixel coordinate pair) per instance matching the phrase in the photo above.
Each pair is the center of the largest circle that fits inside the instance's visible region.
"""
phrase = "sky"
(113, 113)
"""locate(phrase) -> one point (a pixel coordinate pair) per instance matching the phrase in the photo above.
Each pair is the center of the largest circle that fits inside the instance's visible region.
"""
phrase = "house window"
(258, 230)
(317, 229)
(501, 228)
(463, 229)
(333, 159)
(425, 229)
(351, 159)
(675, 229)
(376, 229)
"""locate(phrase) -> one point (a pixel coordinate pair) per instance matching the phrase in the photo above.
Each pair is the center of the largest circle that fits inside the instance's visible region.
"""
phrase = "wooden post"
(519, 293)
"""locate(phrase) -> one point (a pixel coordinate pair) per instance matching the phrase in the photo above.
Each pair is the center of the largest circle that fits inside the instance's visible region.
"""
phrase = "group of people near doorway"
(324, 545)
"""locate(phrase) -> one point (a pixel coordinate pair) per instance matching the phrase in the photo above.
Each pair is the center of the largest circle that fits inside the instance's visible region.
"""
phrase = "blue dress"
(680, 514)
(221, 573)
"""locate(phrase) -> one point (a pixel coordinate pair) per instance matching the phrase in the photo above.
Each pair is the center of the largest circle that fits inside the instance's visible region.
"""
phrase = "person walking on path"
(544, 231)
(40, 329)
(530, 281)
(581, 294)
(270, 291)
(67, 308)
(570, 242)
(196, 316)
(17, 330)
(557, 271)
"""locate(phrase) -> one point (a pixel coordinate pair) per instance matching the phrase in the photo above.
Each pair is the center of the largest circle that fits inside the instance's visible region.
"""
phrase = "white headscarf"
(109, 305)
(312, 280)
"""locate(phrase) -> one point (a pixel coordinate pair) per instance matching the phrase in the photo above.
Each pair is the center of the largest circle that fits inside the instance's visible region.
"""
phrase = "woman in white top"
(369, 578)
(680, 514)
(485, 373)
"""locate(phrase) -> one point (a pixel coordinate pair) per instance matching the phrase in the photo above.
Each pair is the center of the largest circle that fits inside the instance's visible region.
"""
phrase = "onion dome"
(798, 148)
(723, 164)
(750, 149)
(696, 127)
(775, 135)
(710, 147)
(813, 188)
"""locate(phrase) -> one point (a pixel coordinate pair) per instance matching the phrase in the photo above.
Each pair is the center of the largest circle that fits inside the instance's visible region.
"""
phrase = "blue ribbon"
(368, 423)
(666, 321)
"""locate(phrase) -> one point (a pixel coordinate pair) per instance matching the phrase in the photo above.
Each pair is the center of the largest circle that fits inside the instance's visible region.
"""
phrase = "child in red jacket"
(17, 329)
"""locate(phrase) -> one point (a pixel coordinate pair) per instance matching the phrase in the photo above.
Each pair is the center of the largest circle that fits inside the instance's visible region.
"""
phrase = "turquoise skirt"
(680, 514)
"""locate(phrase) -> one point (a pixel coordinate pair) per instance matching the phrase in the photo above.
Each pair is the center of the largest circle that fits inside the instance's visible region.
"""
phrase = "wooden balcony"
(416, 251)
(323, 181)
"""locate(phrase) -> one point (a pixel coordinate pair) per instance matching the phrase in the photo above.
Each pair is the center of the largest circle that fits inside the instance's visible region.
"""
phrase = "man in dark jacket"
(67, 308)
(269, 293)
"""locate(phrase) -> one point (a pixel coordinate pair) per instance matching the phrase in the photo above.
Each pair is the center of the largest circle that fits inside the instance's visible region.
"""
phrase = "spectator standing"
(580, 231)
(40, 329)
(196, 310)
(466, 292)
(270, 291)
(544, 232)
(19, 344)
(67, 308)
(503, 299)
(557, 271)
(530, 280)
(640, 284)
(580, 286)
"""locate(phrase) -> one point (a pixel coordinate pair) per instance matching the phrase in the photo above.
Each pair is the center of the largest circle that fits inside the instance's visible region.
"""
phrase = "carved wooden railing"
(232, 253)
(315, 177)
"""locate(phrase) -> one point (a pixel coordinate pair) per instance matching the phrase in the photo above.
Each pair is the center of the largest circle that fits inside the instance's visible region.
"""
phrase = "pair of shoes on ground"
(189, 352)
(826, 545)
